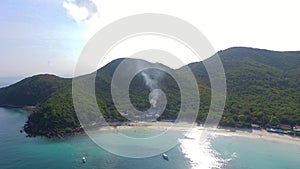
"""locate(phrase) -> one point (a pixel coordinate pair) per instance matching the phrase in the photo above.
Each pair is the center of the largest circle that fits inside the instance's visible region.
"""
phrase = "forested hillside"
(263, 87)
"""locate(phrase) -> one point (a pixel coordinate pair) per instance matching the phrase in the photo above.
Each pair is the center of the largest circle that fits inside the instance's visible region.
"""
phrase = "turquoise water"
(19, 152)
(247, 153)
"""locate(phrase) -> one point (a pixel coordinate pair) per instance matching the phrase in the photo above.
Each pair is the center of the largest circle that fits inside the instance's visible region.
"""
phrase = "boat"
(83, 160)
(273, 130)
(165, 156)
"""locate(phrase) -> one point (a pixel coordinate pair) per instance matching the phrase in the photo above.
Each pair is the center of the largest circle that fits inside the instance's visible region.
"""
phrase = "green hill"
(32, 91)
(263, 87)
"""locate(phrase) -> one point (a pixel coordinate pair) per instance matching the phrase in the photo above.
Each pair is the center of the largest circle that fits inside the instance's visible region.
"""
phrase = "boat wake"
(198, 149)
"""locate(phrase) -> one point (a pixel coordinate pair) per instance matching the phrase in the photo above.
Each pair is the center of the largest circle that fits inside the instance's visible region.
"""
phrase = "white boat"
(83, 160)
(165, 156)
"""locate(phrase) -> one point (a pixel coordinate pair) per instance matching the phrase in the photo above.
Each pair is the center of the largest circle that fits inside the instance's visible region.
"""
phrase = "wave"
(196, 146)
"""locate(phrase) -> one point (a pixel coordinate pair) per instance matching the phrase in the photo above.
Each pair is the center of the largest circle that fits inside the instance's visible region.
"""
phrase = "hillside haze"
(262, 87)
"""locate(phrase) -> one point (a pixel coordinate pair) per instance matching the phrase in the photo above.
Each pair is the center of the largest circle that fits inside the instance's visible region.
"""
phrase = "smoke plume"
(152, 84)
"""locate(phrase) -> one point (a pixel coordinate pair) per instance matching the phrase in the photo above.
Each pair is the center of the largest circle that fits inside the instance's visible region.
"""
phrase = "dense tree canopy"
(263, 87)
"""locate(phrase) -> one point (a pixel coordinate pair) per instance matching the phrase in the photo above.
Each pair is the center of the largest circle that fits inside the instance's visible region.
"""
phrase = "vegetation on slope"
(31, 91)
(263, 87)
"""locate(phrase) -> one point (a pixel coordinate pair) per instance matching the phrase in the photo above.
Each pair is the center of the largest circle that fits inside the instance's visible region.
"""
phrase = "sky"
(47, 36)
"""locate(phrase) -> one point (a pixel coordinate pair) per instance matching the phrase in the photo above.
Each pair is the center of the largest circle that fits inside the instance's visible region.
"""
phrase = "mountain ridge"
(263, 88)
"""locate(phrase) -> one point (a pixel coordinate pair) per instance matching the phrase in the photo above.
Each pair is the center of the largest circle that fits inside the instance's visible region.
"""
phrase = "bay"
(20, 152)
(224, 152)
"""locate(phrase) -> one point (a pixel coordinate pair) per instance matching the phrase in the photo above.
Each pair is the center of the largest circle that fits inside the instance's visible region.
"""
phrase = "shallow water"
(248, 153)
(19, 152)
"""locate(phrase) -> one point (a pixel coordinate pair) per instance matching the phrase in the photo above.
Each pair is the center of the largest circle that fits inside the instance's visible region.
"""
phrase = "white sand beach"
(256, 134)
(220, 131)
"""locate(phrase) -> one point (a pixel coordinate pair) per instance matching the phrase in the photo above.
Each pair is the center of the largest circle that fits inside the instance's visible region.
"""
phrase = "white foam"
(197, 147)
(233, 156)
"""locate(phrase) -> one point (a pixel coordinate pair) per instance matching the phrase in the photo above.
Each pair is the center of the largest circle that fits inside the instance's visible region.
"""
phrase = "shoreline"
(256, 134)
(28, 108)
(220, 131)
(163, 126)
(182, 126)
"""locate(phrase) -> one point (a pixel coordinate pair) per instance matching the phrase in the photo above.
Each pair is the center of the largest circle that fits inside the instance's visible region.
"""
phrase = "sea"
(219, 152)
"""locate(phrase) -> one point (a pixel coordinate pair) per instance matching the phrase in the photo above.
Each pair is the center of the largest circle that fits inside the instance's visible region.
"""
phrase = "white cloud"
(81, 10)
(79, 14)
(84, 12)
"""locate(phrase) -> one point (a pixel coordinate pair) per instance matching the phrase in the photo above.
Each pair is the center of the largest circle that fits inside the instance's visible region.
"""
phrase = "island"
(263, 90)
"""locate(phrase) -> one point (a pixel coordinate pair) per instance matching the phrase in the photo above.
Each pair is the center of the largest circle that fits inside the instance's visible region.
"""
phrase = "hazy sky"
(47, 36)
